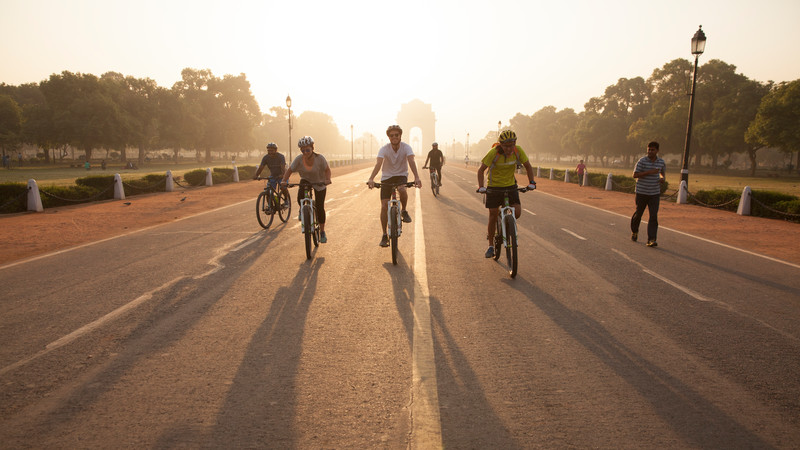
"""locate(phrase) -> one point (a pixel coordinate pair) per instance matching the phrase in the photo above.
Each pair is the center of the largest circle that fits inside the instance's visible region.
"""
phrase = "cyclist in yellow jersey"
(502, 161)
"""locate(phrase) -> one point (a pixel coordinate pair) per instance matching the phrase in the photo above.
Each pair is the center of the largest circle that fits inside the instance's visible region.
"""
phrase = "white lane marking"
(426, 427)
(573, 233)
(796, 266)
(214, 262)
(703, 298)
(529, 211)
(58, 252)
(345, 191)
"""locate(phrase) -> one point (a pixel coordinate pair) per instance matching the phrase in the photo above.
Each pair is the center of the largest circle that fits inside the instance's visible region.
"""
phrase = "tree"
(777, 122)
(10, 124)
(728, 104)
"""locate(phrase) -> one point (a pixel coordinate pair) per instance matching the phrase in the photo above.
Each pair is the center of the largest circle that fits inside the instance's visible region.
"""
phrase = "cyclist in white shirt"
(394, 158)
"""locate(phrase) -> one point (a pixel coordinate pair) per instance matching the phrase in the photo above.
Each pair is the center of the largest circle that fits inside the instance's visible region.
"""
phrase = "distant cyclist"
(395, 158)
(436, 158)
(313, 168)
(502, 161)
(276, 163)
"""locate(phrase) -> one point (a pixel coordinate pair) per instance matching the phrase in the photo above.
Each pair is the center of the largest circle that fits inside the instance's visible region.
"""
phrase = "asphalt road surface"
(211, 332)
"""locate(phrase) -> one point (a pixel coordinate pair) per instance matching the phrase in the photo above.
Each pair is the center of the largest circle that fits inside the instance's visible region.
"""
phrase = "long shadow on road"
(688, 412)
(260, 407)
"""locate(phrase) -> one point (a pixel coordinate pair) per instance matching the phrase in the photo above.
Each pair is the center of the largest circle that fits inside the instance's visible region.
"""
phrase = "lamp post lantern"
(698, 46)
(289, 105)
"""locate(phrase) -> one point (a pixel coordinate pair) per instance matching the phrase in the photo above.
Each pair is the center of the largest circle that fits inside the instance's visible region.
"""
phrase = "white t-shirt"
(395, 163)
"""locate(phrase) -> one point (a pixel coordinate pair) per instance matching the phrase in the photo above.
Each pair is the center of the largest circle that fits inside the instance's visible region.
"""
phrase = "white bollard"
(551, 173)
(609, 183)
(235, 174)
(683, 193)
(119, 190)
(566, 176)
(170, 182)
(585, 178)
(744, 203)
(209, 178)
(538, 172)
(34, 197)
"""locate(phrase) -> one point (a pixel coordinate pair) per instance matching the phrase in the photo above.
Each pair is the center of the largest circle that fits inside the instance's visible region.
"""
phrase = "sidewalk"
(31, 234)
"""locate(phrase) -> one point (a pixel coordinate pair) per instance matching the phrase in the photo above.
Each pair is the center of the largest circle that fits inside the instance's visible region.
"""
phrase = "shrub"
(53, 196)
(13, 197)
(195, 177)
(149, 183)
(774, 203)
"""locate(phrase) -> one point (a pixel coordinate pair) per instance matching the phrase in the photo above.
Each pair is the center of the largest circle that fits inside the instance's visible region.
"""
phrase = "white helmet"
(305, 140)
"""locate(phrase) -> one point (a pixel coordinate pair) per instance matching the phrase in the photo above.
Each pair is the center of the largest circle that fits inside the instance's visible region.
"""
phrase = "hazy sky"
(475, 62)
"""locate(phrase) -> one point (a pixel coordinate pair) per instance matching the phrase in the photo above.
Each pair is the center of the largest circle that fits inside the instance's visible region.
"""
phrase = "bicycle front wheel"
(285, 208)
(394, 219)
(434, 184)
(498, 240)
(511, 245)
(263, 213)
(307, 230)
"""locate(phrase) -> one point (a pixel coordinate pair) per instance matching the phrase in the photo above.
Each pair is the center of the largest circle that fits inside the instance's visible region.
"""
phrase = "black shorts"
(495, 196)
(386, 191)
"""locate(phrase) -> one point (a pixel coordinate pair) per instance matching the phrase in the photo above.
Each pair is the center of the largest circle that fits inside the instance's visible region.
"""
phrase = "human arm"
(413, 166)
(481, 171)
(529, 170)
(371, 180)
(258, 171)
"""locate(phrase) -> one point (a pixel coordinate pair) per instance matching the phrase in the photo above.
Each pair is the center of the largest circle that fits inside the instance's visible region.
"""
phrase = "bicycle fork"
(503, 212)
(396, 203)
(303, 203)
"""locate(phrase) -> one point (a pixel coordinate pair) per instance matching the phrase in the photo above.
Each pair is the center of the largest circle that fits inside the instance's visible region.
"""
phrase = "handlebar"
(318, 183)
(409, 184)
(493, 190)
(268, 178)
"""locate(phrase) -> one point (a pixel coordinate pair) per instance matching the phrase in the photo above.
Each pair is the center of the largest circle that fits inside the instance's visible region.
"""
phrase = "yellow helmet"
(507, 136)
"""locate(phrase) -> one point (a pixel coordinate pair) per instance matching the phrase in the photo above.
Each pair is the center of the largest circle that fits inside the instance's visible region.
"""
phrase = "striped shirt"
(649, 184)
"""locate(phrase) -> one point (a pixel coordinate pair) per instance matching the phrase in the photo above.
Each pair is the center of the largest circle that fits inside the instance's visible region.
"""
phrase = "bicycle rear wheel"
(394, 218)
(307, 231)
(263, 203)
(285, 208)
(511, 245)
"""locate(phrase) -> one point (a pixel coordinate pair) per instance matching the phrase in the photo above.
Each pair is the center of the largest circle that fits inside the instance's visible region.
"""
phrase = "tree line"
(732, 115)
(201, 112)
(205, 113)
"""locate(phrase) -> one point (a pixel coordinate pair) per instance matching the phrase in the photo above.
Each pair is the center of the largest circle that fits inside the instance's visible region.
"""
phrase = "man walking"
(649, 173)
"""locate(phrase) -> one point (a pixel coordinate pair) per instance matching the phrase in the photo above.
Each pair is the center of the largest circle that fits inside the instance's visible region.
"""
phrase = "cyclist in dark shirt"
(436, 158)
(276, 163)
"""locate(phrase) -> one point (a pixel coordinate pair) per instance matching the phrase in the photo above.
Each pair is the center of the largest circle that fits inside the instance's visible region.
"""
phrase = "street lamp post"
(498, 129)
(351, 143)
(698, 46)
(289, 105)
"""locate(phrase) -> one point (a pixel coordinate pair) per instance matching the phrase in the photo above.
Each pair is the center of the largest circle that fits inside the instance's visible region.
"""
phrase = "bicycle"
(271, 201)
(395, 222)
(434, 180)
(506, 231)
(308, 216)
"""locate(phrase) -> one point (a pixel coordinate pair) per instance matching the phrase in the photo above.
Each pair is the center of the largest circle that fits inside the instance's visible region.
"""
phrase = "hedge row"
(13, 196)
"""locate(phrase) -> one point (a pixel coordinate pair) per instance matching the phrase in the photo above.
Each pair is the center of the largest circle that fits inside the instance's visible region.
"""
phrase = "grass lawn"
(63, 175)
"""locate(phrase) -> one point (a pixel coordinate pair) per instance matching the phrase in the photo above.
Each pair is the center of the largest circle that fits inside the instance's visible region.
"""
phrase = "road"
(211, 332)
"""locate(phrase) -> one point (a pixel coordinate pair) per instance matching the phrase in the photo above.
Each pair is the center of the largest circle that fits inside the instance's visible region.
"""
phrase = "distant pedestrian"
(581, 169)
(103, 164)
(19, 157)
(5, 162)
(650, 172)
(87, 166)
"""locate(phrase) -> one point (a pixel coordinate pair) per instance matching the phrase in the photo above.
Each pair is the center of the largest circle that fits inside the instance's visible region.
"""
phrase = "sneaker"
(634, 237)
(489, 252)
(405, 216)
(322, 237)
(385, 241)
(652, 243)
